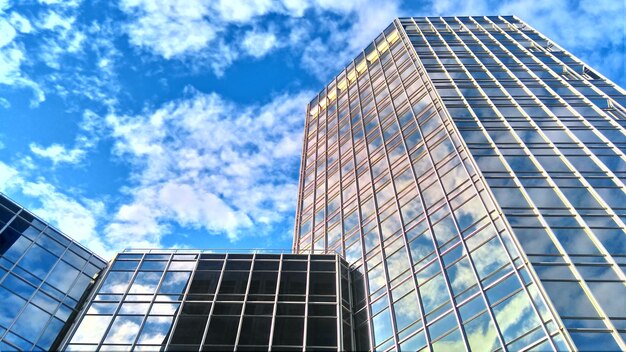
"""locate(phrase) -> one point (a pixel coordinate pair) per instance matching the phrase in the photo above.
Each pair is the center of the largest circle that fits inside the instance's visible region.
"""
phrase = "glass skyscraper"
(44, 277)
(190, 300)
(472, 173)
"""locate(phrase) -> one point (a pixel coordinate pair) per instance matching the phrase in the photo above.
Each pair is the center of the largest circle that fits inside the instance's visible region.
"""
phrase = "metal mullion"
(143, 323)
(245, 299)
(488, 190)
(119, 304)
(306, 302)
(274, 310)
(339, 304)
(217, 287)
(376, 115)
(438, 258)
(397, 203)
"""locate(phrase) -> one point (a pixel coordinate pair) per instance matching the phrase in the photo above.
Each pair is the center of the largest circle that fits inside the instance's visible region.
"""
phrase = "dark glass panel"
(290, 309)
(322, 284)
(321, 332)
(259, 308)
(195, 308)
(266, 265)
(255, 331)
(327, 310)
(210, 265)
(237, 265)
(222, 330)
(288, 331)
(234, 282)
(293, 283)
(263, 283)
(189, 330)
(227, 308)
(204, 282)
(294, 266)
(322, 266)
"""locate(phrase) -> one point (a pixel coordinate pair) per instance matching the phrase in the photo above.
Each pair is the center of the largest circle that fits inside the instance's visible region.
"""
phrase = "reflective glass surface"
(43, 277)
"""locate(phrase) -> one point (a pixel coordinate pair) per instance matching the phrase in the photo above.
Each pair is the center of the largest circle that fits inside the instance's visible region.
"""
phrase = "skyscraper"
(44, 277)
(474, 173)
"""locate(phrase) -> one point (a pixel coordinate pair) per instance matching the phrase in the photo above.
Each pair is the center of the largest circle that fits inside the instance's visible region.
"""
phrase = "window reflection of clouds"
(145, 282)
(155, 330)
(124, 329)
(91, 329)
(116, 282)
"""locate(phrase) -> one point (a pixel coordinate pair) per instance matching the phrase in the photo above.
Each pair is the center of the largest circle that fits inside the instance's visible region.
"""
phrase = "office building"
(185, 300)
(474, 172)
(44, 277)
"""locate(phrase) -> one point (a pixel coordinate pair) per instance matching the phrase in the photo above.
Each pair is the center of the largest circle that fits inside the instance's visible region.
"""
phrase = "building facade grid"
(359, 143)
(170, 300)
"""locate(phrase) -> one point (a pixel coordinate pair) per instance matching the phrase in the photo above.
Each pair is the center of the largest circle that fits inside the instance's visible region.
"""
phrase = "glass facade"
(191, 301)
(473, 174)
(44, 276)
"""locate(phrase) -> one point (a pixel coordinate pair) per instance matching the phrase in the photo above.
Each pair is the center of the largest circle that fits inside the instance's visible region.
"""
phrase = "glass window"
(190, 329)
(322, 284)
(155, 330)
(222, 330)
(292, 283)
(321, 332)
(145, 282)
(116, 282)
(263, 283)
(288, 331)
(31, 322)
(38, 261)
(91, 329)
(124, 329)
(255, 331)
(62, 276)
(128, 265)
(204, 282)
(174, 282)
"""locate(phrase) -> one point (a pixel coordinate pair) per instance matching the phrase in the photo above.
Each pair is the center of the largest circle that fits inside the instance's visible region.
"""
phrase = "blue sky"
(144, 123)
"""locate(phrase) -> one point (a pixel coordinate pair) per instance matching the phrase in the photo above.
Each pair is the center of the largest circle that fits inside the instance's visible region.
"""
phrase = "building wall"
(188, 300)
(547, 133)
(44, 276)
(476, 182)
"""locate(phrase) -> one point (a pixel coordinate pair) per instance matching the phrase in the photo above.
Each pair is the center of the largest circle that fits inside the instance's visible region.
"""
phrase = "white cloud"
(258, 44)
(58, 153)
(78, 219)
(90, 129)
(20, 23)
(7, 32)
(203, 162)
(175, 30)
(169, 28)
